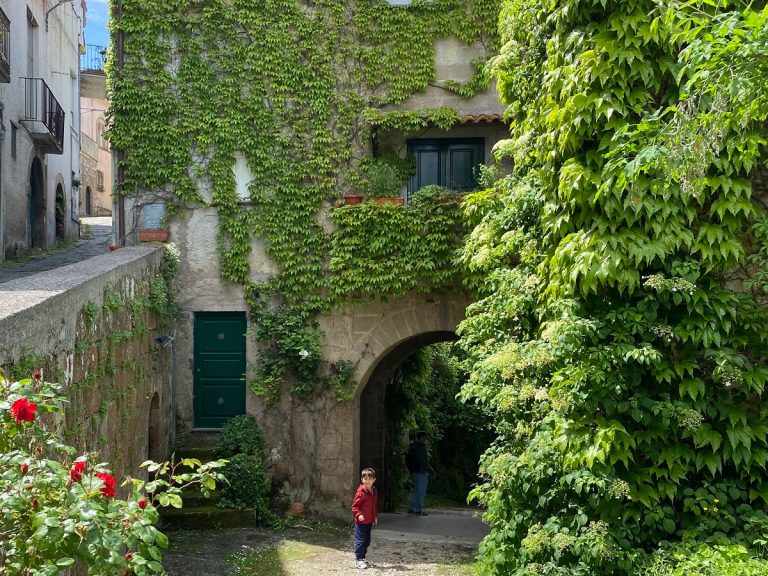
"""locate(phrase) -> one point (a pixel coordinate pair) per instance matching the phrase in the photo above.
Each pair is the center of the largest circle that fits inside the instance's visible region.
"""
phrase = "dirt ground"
(306, 550)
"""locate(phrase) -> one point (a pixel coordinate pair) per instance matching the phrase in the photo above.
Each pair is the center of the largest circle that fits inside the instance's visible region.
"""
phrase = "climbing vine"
(296, 88)
(622, 357)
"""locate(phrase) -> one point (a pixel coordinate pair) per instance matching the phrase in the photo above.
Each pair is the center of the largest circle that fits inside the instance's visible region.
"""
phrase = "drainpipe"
(61, 2)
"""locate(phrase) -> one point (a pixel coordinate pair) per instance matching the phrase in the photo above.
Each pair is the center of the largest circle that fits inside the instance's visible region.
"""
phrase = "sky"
(96, 22)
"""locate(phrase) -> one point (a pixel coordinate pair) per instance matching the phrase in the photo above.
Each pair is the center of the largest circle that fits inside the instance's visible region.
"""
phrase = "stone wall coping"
(39, 312)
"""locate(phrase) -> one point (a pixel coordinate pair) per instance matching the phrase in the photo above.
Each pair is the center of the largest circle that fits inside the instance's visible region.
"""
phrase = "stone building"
(95, 154)
(39, 92)
(317, 447)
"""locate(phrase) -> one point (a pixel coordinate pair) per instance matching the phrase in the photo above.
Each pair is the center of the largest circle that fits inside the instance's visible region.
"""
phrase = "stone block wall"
(91, 327)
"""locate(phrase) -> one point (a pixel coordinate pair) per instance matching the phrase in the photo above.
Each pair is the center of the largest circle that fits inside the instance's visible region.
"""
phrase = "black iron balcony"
(5, 48)
(43, 116)
(94, 58)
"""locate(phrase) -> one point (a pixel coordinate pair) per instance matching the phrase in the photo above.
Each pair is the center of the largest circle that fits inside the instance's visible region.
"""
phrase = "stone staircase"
(199, 512)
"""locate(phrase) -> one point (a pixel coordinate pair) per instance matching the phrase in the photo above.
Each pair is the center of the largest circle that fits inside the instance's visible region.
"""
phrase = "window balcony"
(43, 116)
(5, 48)
(94, 58)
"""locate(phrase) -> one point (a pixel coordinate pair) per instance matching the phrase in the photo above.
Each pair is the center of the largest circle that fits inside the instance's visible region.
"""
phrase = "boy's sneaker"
(368, 563)
(361, 564)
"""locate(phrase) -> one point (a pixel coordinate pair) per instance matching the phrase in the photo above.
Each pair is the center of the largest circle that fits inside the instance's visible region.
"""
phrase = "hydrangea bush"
(59, 508)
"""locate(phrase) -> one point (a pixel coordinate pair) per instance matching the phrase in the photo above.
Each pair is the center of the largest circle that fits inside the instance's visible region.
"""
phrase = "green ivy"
(296, 89)
(623, 361)
(381, 250)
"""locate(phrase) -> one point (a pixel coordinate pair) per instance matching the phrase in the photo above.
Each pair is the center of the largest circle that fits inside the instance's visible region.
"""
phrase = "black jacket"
(416, 459)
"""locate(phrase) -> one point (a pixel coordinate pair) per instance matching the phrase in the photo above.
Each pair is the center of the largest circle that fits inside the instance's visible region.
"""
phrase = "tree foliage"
(623, 358)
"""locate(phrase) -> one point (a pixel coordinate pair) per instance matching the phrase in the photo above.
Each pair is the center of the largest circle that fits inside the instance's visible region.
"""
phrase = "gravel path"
(309, 551)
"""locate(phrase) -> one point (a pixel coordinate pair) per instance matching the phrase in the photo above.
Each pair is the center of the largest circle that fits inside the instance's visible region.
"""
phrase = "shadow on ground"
(402, 544)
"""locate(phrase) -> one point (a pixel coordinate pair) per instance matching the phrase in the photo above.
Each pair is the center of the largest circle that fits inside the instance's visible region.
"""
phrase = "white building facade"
(40, 44)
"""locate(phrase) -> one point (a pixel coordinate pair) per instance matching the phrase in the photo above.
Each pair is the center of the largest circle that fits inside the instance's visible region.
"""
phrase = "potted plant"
(383, 184)
(154, 229)
(378, 181)
(158, 235)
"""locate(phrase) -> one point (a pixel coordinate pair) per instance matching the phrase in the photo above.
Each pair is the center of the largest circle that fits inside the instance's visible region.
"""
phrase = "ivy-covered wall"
(91, 327)
(293, 96)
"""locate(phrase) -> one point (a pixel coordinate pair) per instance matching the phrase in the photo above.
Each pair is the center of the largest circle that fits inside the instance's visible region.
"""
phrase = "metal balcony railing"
(5, 48)
(94, 58)
(43, 116)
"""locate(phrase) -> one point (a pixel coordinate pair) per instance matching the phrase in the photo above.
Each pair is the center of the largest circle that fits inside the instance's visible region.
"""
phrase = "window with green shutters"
(448, 162)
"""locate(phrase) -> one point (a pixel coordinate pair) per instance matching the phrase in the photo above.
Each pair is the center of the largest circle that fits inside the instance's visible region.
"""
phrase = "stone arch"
(374, 434)
(315, 448)
(378, 335)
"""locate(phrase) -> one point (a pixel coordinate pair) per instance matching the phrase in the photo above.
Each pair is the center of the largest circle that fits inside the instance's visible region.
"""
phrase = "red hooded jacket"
(365, 503)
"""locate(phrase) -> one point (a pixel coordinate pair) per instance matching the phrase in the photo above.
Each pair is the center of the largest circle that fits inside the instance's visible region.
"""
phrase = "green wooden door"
(219, 387)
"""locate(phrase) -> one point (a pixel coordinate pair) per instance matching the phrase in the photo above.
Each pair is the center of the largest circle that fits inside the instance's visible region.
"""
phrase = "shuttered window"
(451, 163)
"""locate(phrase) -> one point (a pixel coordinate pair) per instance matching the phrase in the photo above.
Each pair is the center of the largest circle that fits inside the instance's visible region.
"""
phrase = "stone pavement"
(101, 234)
(441, 526)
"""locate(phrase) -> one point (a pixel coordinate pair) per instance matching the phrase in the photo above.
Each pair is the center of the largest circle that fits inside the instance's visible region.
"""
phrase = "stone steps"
(199, 512)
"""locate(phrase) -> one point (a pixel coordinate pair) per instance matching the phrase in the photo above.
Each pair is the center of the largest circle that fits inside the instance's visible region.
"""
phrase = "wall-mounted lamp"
(163, 341)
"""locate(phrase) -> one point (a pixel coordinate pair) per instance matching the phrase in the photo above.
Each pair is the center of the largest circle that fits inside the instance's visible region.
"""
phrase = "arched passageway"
(36, 205)
(376, 432)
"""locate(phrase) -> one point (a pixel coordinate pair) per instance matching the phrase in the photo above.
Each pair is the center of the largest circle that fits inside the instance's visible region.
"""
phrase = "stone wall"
(91, 327)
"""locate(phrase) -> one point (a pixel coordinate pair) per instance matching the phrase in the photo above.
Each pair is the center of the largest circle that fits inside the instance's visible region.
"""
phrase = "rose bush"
(58, 508)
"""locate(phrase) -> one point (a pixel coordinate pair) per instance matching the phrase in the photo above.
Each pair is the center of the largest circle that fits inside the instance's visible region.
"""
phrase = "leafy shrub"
(241, 435)
(705, 560)
(247, 486)
(248, 482)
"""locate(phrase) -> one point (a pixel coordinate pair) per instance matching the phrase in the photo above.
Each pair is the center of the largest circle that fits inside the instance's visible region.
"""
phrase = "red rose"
(23, 410)
(24, 467)
(38, 375)
(129, 556)
(142, 503)
(109, 484)
(76, 473)
(35, 503)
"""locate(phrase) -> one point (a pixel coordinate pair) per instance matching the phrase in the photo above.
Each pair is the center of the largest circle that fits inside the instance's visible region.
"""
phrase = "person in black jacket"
(417, 462)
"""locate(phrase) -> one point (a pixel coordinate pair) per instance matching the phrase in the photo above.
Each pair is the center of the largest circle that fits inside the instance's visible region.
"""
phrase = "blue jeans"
(420, 481)
(362, 540)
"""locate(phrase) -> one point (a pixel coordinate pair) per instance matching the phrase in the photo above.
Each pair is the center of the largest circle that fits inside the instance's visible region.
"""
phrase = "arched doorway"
(61, 212)
(376, 432)
(36, 205)
(88, 201)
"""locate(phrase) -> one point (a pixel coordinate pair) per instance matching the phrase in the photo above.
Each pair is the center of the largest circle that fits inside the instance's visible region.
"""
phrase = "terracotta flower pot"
(399, 200)
(297, 509)
(153, 235)
(350, 199)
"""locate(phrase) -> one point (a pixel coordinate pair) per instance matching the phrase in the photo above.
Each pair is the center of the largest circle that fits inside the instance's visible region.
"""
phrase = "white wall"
(56, 60)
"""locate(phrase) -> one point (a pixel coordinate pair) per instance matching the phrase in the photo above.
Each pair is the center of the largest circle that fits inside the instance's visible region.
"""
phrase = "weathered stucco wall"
(90, 328)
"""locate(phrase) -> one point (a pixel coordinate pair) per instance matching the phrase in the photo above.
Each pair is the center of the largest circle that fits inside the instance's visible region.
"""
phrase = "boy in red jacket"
(364, 507)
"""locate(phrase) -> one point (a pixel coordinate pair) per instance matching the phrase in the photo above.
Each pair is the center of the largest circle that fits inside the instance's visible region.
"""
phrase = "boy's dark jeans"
(362, 540)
